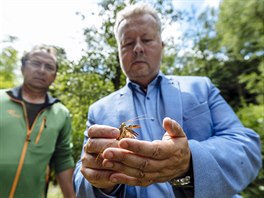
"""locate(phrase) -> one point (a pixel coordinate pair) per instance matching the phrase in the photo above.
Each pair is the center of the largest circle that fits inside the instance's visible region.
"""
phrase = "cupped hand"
(141, 163)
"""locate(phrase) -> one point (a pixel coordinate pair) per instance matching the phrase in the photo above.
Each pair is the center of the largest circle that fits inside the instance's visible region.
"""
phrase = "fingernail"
(124, 144)
(108, 164)
(108, 155)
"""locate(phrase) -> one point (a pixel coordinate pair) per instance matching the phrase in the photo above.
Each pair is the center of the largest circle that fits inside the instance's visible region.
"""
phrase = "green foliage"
(8, 64)
(255, 82)
(78, 89)
(213, 50)
(101, 54)
(252, 116)
(241, 25)
(241, 31)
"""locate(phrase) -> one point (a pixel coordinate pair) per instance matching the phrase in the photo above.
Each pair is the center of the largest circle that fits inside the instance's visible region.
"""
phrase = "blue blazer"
(226, 155)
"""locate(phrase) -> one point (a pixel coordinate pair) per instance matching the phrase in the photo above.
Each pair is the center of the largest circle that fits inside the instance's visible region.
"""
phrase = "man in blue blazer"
(190, 142)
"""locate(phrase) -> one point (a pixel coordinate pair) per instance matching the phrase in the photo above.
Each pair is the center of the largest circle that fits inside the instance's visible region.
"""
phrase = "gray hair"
(136, 9)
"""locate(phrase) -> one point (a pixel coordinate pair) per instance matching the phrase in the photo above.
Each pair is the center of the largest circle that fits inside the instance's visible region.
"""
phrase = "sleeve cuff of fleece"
(64, 166)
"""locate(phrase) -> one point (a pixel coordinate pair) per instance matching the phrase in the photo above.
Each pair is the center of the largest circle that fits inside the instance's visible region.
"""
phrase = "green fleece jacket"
(25, 153)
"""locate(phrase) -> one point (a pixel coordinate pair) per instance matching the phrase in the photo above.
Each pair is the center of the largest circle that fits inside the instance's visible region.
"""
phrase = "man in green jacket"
(35, 131)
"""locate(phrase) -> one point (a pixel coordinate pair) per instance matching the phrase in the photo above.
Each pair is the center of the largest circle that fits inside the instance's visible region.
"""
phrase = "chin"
(139, 78)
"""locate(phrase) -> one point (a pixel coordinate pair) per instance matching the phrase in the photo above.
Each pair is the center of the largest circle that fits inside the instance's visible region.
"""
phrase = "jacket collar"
(16, 93)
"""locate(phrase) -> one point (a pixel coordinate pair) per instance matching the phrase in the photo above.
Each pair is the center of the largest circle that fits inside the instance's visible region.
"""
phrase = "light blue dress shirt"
(149, 108)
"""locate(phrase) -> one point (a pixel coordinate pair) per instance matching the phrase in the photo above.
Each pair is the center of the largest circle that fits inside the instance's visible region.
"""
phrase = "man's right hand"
(100, 138)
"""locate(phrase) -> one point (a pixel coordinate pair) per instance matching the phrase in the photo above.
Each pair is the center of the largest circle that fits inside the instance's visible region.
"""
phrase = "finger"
(144, 168)
(157, 149)
(89, 161)
(115, 158)
(120, 178)
(133, 165)
(98, 178)
(103, 131)
(173, 128)
(116, 166)
(98, 145)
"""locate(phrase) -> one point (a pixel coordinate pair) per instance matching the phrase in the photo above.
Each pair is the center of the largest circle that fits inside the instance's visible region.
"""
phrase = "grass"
(54, 191)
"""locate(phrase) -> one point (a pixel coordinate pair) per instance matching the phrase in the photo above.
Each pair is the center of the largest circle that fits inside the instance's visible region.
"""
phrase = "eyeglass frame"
(38, 64)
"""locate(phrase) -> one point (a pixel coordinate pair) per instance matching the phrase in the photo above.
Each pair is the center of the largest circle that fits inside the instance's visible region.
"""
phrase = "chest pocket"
(44, 136)
(197, 122)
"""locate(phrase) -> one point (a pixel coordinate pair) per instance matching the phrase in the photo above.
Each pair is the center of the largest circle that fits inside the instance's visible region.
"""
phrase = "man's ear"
(55, 76)
(163, 44)
(22, 69)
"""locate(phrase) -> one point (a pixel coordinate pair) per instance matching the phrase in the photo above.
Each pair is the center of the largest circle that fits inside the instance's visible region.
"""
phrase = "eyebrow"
(46, 62)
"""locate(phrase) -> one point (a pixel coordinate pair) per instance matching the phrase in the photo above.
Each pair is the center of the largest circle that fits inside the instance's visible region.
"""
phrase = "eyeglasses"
(37, 65)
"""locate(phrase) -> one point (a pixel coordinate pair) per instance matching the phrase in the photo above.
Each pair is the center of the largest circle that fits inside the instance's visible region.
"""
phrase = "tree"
(77, 89)
(211, 53)
(8, 64)
(241, 28)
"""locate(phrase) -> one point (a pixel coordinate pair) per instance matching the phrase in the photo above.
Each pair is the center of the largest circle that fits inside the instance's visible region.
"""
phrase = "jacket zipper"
(40, 130)
(24, 150)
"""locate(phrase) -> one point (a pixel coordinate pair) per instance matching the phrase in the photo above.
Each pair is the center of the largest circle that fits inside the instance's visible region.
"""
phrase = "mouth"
(39, 79)
(139, 62)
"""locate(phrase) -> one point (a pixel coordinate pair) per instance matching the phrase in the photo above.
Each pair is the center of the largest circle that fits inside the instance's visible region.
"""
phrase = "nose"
(42, 67)
(138, 48)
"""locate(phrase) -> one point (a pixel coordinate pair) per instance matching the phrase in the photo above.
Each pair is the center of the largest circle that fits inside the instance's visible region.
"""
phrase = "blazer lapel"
(171, 96)
(126, 110)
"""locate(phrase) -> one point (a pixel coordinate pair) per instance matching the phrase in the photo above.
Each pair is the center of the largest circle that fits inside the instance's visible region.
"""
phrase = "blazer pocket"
(196, 111)
(197, 123)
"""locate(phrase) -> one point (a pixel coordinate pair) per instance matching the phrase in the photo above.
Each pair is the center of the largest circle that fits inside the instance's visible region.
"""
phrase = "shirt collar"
(155, 82)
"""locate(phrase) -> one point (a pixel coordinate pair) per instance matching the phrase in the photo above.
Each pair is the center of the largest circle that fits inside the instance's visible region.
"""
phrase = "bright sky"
(55, 22)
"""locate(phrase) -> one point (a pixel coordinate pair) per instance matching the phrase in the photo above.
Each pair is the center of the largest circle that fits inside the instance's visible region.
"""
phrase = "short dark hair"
(40, 48)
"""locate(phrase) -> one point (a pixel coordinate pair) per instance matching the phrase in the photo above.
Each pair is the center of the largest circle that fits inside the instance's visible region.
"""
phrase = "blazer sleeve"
(226, 161)
(82, 187)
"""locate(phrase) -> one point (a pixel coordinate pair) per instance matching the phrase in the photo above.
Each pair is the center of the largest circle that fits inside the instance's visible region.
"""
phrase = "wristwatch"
(181, 182)
(186, 181)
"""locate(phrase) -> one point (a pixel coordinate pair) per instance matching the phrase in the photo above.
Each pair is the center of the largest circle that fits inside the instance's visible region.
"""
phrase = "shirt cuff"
(113, 194)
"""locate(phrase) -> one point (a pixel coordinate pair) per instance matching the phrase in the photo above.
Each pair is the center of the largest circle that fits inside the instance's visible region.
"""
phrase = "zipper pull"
(28, 138)
(42, 126)
(45, 122)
